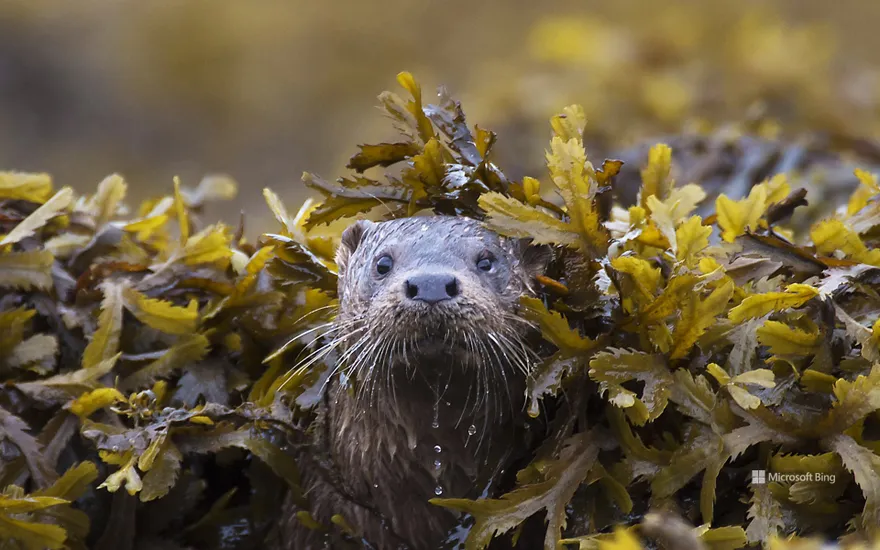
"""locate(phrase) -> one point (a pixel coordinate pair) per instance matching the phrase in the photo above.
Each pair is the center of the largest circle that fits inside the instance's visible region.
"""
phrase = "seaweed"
(145, 355)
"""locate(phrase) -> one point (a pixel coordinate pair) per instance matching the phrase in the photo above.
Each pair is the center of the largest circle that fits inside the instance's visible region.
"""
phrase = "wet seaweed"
(146, 356)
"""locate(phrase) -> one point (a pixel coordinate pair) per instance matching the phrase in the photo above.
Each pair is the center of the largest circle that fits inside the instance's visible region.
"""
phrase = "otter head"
(432, 292)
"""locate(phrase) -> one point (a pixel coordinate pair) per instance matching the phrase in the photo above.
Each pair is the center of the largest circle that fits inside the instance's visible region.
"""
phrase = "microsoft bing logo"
(762, 477)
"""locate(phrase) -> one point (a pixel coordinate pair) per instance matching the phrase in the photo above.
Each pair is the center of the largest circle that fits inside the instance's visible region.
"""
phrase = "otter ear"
(351, 238)
(534, 257)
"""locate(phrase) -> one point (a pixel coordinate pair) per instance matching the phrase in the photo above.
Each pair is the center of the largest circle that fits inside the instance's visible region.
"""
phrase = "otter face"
(434, 285)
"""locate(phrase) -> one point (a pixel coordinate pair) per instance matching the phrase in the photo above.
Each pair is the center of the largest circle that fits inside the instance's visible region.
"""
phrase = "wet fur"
(379, 431)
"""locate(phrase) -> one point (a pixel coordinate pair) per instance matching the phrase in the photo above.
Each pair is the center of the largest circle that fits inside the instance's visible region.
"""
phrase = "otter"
(429, 382)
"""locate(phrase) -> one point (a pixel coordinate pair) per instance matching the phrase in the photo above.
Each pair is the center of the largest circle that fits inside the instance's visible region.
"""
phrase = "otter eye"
(484, 264)
(384, 264)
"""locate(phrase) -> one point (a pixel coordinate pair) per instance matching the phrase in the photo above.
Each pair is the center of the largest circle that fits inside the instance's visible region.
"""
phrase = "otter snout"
(431, 288)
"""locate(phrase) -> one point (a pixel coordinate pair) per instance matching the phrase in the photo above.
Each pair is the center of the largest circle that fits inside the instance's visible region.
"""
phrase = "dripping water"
(438, 464)
(435, 424)
(470, 432)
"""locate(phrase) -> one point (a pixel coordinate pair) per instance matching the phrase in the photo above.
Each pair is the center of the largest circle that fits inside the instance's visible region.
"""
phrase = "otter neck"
(446, 421)
(439, 394)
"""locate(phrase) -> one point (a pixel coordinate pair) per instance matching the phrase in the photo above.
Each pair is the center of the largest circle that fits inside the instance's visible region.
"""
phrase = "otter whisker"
(515, 359)
(393, 351)
(342, 361)
(516, 362)
(366, 338)
(316, 310)
(316, 328)
(471, 388)
(470, 354)
(518, 337)
(482, 385)
(488, 371)
(503, 354)
(373, 196)
(417, 349)
(312, 358)
(488, 368)
(521, 320)
(342, 364)
(487, 408)
(389, 351)
(380, 362)
(448, 383)
(526, 357)
(499, 375)
(377, 364)
(485, 390)
(526, 350)
(497, 348)
(366, 360)
(293, 340)
(390, 386)
(333, 328)
(372, 359)
(343, 338)
(409, 346)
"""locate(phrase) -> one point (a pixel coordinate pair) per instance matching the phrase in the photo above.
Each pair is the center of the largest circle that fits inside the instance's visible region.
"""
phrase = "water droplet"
(533, 409)
(472, 430)
(437, 464)
(437, 448)
(438, 490)
(375, 486)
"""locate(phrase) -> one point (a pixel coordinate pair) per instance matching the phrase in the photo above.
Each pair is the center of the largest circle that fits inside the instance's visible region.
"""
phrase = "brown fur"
(381, 433)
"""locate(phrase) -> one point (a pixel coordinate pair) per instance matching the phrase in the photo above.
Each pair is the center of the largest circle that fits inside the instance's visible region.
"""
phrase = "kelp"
(145, 355)
(133, 342)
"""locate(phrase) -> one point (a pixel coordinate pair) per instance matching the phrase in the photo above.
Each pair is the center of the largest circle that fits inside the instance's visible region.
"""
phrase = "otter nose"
(431, 287)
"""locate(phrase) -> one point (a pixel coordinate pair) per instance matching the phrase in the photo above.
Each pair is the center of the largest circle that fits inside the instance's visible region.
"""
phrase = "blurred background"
(264, 90)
